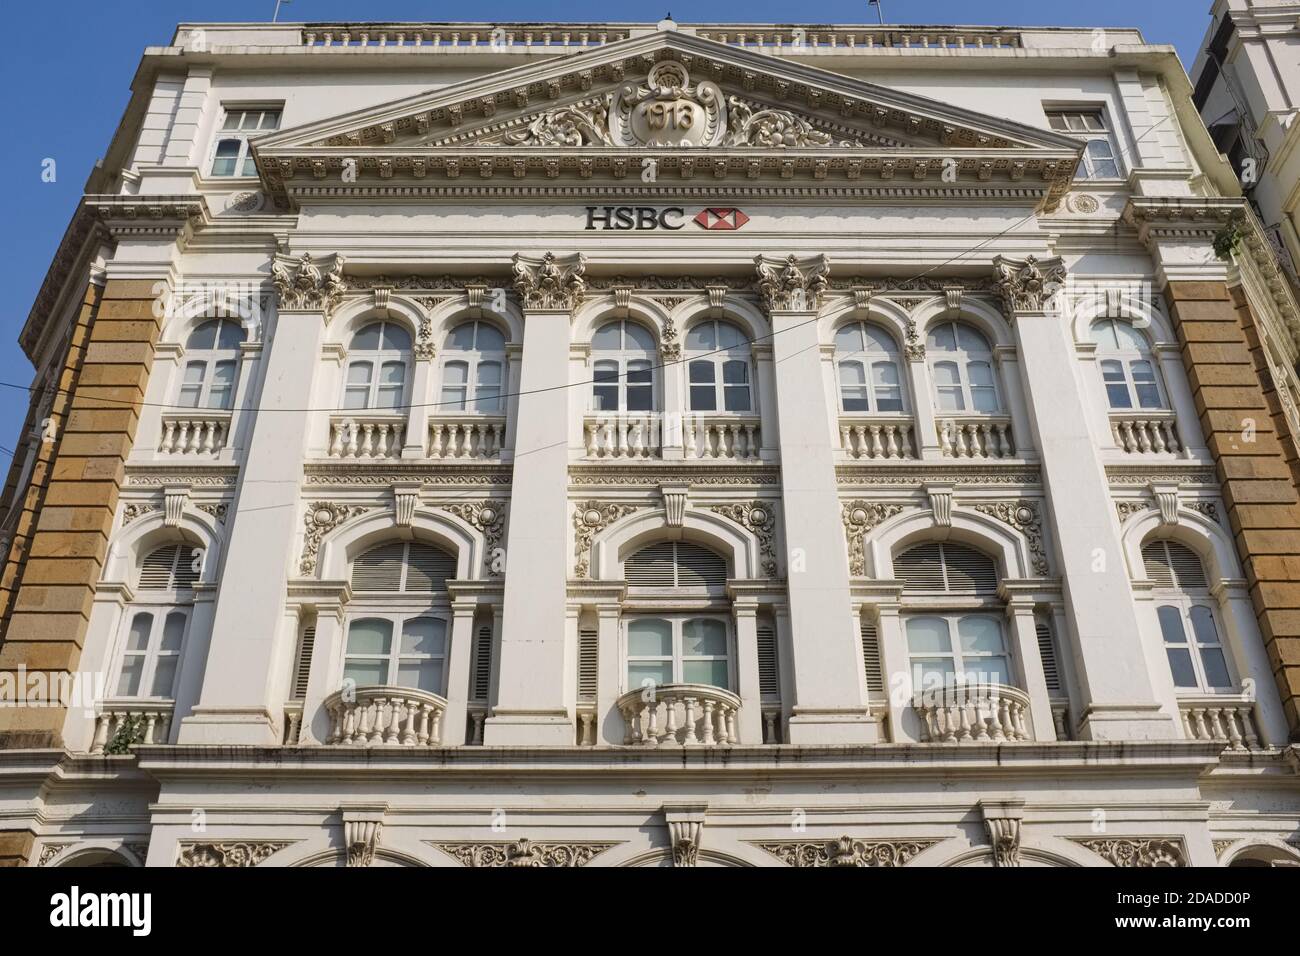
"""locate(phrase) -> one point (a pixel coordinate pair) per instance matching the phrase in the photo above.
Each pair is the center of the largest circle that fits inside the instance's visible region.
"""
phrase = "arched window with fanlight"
(398, 626)
(961, 363)
(623, 368)
(868, 369)
(473, 369)
(1128, 369)
(719, 368)
(379, 357)
(1188, 618)
(211, 365)
(158, 621)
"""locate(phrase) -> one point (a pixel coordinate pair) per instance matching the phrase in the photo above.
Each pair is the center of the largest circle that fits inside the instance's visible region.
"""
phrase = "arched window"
(690, 646)
(954, 632)
(211, 364)
(961, 362)
(1188, 618)
(399, 618)
(473, 370)
(1127, 368)
(718, 368)
(623, 370)
(866, 363)
(159, 619)
(379, 356)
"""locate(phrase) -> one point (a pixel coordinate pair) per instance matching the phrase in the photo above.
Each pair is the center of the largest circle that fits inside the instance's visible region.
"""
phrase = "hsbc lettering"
(635, 217)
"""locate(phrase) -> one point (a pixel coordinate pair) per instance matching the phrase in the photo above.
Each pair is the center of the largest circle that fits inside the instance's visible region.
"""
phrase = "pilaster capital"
(1027, 284)
(550, 283)
(306, 284)
(792, 284)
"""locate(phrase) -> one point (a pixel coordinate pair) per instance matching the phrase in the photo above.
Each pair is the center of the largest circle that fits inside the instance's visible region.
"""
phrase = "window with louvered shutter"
(403, 567)
(302, 666)
(871, 658)
(946, 567)
(1047, 654)
(588, 663)
(1173, 565)
(675, 564)
(769, 676)
(482, 667)
(171, 568)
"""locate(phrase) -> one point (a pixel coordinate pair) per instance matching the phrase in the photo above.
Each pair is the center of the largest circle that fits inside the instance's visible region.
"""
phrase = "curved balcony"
(973, 713)
(385, 716)
(689, 715)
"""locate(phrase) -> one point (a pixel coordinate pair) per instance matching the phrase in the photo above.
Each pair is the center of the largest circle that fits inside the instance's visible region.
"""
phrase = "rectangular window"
(232, 156)
(1089, 125)
(678, 650)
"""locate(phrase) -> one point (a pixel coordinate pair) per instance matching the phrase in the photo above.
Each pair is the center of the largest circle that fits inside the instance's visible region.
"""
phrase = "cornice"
(913, 474)
(318, 475)
(582, 477)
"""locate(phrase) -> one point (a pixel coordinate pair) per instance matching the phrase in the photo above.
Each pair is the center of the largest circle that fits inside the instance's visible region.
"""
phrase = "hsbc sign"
(621, 218)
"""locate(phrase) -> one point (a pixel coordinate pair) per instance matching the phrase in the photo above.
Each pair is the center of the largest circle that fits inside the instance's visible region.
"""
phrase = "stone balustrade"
(876, 437)
(731, 438)
(1146, 433)
(973, 712)
(1228, 720)
(679, 714)
(385, 716)
(122, 723)
(466, 436)
(366, 435)
(623, 436)
(194, 432)
(976, 436)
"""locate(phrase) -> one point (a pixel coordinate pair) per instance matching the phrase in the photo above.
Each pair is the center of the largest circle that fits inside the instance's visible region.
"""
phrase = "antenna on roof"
(880, 9)
(275, 16)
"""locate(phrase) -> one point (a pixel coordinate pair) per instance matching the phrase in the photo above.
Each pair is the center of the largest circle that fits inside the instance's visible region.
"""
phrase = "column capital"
(1027, 284)
(306, 284)
(550, 283)
(792, 284)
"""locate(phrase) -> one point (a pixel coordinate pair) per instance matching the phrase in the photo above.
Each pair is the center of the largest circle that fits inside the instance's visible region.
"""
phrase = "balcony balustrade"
(1230, 721)
(1146, 433)
(194, 432)
(466, 436)
(973, 712)
(689, 715)
(122, 723)
(876, 437)
(976, 436)
(366, 435)
(385, 716)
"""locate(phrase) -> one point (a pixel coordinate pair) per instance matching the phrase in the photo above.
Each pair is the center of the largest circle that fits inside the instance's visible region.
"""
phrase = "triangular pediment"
(696, 102)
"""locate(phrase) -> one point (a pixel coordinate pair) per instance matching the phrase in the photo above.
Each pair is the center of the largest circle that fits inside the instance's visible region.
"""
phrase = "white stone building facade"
(666, 445)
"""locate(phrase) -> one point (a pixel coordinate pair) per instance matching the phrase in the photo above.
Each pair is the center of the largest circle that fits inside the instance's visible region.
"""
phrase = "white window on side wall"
(231, 155)
(1088, 123)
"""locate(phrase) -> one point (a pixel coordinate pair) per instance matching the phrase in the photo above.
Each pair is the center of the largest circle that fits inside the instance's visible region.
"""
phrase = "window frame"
(952, 616)
(676, 620)
(623, 358)
(242, 135)
(1126, 358)
(397, 613)
(1087, 164)
(963, 359)
(472, 359)
(717, 359)
(211, 359)
(867, 359)
(160, 606)
(377, 360)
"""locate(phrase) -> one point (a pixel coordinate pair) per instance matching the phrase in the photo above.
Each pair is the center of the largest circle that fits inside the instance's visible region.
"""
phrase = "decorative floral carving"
(1082, 203)
(303, 287)
(847, 851)
(589, 517)
(859, 518)
(1207, 508)
(1221, 845)
(670, 347)
(490, 518)
(523, 852)
(1023, 516)
(322, 517)
(133, 511)
(1025, 286)
(49, 851)
(228, 854)
(578, 124)
(759, 518)
(550, 282)
(791, 283)
(1138, 853)
(424, 349)
(217, 511)
(668, 110)
(913, 346)
(1127, 509)
(774, 128)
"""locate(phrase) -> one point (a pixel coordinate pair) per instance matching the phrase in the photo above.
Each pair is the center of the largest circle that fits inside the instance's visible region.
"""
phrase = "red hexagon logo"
(725, 218)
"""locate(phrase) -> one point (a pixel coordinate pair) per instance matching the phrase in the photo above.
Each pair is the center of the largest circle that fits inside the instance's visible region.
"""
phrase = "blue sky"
(72, 61)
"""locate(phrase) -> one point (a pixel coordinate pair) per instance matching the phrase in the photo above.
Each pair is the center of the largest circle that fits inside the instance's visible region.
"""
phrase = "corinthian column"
(535, 676)
(1120, 700)
(250, 639)
(829, 687)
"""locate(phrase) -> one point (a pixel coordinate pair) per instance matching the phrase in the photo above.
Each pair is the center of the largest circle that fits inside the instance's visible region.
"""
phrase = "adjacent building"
(656, 444)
